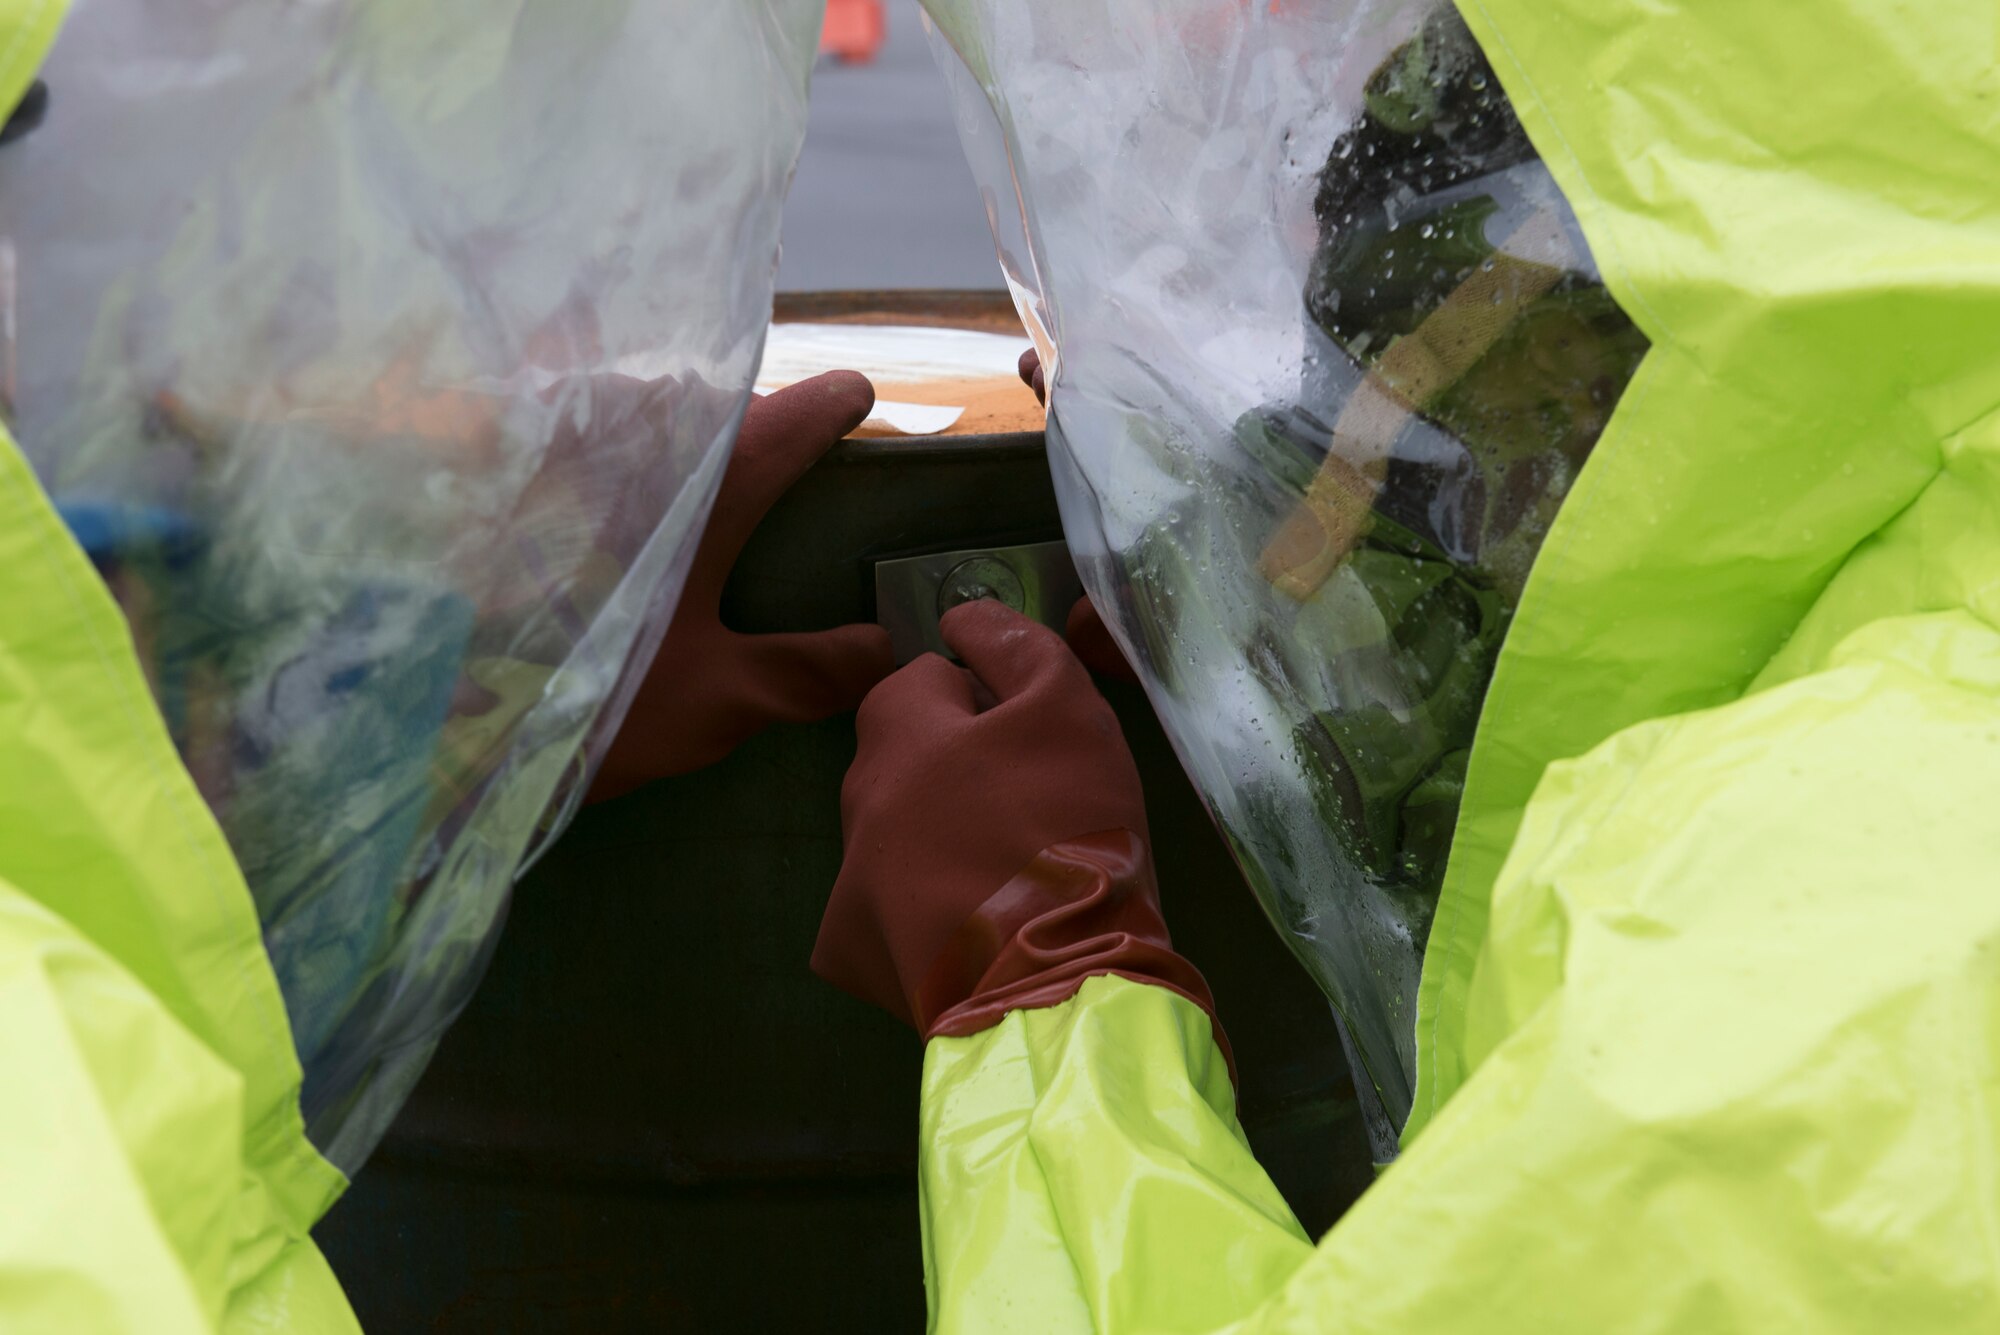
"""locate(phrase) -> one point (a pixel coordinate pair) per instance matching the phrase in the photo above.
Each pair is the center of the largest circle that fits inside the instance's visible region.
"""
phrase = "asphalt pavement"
(883, 197)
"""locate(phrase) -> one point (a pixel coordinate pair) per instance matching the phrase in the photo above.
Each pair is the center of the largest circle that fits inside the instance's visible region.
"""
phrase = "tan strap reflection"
(1411, 373)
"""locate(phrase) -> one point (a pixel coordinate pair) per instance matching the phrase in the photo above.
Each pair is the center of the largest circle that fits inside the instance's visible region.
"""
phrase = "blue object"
(110, 532)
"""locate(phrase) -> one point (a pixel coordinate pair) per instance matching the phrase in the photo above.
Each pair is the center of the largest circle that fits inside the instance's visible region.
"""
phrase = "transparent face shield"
(1326, 350)
(319, 315)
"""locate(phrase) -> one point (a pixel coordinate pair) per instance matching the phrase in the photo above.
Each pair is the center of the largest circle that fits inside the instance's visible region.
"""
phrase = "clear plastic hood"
(315, 309)
(1326, 351)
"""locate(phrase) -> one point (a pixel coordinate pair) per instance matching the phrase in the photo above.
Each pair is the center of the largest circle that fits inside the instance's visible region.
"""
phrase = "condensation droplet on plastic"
(1478, 82)
(1428, 231)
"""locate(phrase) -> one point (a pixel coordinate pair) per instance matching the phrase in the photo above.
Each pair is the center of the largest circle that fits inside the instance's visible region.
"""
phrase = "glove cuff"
(1082, 908)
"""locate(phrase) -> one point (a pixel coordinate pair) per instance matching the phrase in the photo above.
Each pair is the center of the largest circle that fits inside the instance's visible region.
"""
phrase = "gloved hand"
(1031, 375)
(997, 857)
(709, 688)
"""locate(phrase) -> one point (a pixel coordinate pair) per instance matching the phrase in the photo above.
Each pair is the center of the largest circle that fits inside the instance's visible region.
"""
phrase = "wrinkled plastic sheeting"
(1327, 349)
(317, 305)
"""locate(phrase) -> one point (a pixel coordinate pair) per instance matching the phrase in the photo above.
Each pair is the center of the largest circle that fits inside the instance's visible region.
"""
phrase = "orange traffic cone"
(854, 31)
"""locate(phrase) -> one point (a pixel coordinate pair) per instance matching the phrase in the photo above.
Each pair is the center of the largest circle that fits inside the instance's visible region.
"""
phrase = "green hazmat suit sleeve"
(1082, 1170)
(1736, 1049)
(1709, 1034)
(153, 1164)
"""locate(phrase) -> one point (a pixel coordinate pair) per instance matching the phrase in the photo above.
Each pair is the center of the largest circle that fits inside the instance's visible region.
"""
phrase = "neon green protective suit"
(156, 1172)
(1710, 1026)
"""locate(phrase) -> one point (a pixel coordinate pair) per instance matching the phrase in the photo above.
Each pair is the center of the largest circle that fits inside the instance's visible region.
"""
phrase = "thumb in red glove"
(996, 857)
(709, 688)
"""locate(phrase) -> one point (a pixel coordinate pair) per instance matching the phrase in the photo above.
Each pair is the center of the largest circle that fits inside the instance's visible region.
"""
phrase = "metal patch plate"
(1037, 580)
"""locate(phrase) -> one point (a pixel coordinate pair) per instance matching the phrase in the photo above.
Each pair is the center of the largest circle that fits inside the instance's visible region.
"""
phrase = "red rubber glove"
(710, 689)
(997, 857)
(1031, 375)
